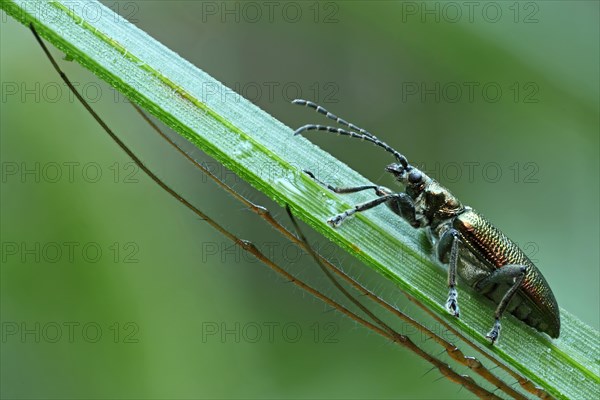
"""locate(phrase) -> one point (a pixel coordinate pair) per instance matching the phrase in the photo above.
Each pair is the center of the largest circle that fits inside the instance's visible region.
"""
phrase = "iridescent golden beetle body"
(474, 249)
(534, 303)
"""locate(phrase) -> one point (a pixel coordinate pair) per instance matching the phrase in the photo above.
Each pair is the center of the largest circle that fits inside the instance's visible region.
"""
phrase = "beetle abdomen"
(489, 245)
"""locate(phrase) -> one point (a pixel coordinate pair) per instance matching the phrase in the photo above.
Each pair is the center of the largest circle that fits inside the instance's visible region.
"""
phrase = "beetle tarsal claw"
(452, 302)
(335, 221)
(494, 334)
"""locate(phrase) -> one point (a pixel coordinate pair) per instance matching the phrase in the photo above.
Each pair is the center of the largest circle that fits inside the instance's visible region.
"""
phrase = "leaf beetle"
(474, 249)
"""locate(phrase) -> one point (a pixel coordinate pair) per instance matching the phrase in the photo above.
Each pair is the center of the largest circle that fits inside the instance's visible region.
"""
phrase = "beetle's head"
(412, 178)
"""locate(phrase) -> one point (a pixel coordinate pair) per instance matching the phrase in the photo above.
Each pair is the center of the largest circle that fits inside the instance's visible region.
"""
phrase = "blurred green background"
(169, 309)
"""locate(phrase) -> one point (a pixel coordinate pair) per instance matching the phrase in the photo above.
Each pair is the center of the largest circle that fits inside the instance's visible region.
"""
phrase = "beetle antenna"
(355, 131)
(311, 127)
(322, 110)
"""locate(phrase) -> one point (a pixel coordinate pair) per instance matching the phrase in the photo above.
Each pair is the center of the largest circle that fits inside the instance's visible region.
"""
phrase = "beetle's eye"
(414, 177)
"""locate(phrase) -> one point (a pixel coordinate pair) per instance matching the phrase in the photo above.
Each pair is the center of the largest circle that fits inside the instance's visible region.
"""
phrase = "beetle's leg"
(506, 273)
(503, 274)
(336, 220)
(379, 190)
(402, 204)
(449, 243)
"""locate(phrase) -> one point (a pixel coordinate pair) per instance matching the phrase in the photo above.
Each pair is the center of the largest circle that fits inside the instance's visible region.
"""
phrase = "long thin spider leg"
(364, 135)
(251, 248)
(406, 341)
(246, 245)
(335, 282)
(453, 351)
(450, 349)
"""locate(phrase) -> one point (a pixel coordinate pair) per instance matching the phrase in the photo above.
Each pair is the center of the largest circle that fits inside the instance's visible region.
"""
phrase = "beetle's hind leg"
(513, 273)
(449, 243)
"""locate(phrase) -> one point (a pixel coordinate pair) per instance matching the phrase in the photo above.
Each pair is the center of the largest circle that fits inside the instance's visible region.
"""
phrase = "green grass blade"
(262, 150)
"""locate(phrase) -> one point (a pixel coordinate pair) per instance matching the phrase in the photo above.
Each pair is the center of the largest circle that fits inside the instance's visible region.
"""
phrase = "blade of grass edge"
(262, 151)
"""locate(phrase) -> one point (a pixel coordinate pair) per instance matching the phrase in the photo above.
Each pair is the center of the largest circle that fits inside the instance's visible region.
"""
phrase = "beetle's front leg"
(508, 273)
(379, 190)
(336, 220)
(399, 203)
(449, 243)
(404, 206)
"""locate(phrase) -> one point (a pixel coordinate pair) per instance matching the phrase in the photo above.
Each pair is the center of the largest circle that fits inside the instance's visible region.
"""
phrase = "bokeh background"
(169, 309)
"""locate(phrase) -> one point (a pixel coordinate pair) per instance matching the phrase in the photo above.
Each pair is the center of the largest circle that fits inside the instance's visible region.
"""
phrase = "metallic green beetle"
(473, 248)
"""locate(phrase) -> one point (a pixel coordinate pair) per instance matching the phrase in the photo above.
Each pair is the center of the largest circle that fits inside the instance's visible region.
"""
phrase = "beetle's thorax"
(434, 204)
